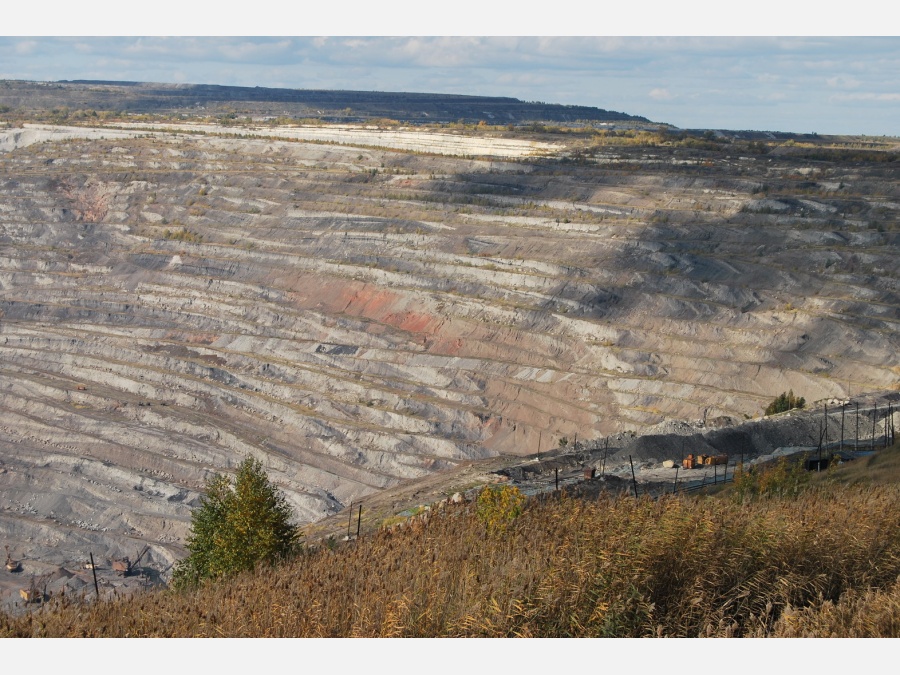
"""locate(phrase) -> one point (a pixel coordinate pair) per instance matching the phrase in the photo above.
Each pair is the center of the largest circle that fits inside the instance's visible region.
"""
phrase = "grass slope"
(823, 562)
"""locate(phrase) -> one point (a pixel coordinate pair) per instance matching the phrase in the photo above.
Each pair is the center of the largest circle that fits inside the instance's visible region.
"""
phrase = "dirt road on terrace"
(752, 443)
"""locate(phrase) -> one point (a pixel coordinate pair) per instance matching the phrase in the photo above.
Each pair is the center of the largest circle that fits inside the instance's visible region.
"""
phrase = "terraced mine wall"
(358, 316)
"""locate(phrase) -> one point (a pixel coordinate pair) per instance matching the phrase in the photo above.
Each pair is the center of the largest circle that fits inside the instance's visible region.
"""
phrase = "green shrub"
(786, 479)
(497, 507)
(183, 235)
(785, 401)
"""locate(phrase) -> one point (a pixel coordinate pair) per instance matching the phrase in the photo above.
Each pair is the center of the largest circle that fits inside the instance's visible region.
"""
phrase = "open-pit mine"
(360, 306)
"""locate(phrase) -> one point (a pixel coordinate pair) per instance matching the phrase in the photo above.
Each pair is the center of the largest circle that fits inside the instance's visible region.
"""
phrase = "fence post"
(359, 521)
(893, 430)
(842, 428)
(887, 425)
(874, 416)
(603, 461)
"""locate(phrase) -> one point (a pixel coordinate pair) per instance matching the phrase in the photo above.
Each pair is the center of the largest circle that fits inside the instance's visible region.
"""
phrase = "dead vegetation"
(821, 561)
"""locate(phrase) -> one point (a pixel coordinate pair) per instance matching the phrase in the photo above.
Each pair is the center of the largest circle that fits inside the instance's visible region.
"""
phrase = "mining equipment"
(124, 567)
(30, 594)
(33, 593)
(692, 462)
(12, 565)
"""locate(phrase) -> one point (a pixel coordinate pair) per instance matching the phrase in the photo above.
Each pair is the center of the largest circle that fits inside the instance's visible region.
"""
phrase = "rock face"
(357, 317)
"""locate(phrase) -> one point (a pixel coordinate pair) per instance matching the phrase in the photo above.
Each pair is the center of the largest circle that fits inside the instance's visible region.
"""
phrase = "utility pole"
(821, 435)
(94, 570)
(633, 478)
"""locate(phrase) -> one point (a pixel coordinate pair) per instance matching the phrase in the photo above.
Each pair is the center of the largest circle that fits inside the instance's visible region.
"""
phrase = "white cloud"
(25, 47)
(869, 96)
(842, 82)
(661, 94)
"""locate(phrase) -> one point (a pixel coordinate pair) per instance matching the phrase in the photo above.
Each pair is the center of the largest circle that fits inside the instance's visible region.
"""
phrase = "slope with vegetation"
(798, 557)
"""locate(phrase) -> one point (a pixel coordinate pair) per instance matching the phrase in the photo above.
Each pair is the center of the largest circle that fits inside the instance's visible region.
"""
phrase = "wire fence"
(852, 437)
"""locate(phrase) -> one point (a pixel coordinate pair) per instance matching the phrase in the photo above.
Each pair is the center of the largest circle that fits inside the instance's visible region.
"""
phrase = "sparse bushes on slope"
(786, 478)
(183, 235)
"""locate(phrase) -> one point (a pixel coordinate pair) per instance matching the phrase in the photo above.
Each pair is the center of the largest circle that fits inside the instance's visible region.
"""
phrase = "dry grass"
(858, 614)
(881, 468)
(825, 562)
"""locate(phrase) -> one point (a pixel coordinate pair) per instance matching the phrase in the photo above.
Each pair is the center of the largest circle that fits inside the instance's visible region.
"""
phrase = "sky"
(839, 84)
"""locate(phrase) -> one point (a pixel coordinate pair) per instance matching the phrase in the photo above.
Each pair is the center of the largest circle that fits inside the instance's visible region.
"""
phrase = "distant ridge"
(327, 104)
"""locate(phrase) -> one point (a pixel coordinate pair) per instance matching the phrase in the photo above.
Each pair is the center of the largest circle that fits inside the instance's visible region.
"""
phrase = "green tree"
(239, 523)
(785, 401)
